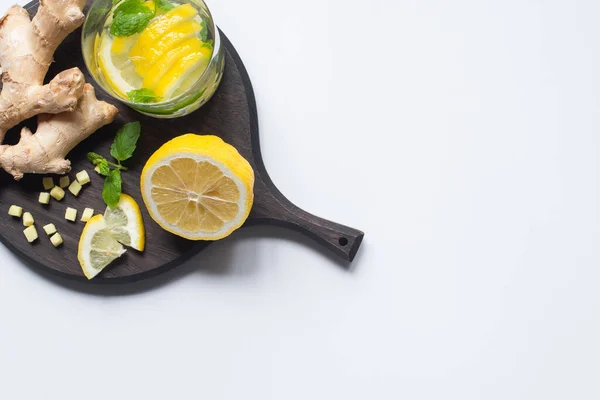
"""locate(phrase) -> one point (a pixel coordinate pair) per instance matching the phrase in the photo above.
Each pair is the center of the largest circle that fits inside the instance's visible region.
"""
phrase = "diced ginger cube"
(64, 181)
(31, 233)
(57, 193)
(71, 214)
(97, 169)
(83, 177)
(44, 198)
(15, 211)
(56, 239)
(75, 188)
(48, 182)
(87, 214)
(28, 219)
(50, 229)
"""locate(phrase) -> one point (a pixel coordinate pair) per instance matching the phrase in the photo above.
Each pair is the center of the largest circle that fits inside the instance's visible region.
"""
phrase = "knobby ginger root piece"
(26, 51)
(56, 135)
(67, 107)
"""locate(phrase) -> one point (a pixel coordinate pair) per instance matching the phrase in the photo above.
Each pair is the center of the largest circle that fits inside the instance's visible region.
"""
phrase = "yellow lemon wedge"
(97, 247)
(168, 60)
(125, 223)
(103, 236)
(154, 32)
(198, 187)
(116, 69)
(191, 64)
(169, 41)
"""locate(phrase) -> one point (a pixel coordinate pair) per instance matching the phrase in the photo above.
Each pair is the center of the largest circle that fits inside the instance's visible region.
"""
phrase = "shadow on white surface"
(220, 260)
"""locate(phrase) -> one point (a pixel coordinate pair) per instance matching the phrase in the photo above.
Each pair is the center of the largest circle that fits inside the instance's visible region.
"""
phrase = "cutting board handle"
(276, 209)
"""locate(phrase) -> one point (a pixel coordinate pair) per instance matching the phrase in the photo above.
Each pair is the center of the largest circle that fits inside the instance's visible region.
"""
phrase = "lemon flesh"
(198, 187)
(103, 236)
(145, 47)
(97, 247)
(125, 224)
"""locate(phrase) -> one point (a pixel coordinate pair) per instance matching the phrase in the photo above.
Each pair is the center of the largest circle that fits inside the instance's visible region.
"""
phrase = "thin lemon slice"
(153, 33)
(169, 41)
(198, 187)
(168, 60)
(115, 74)
(125, 224)
(190, 65)
(97, 247)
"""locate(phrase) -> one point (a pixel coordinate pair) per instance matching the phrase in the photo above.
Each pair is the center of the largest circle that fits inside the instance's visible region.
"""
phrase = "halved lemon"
(198, 187)
(125, 223)
(97, 247)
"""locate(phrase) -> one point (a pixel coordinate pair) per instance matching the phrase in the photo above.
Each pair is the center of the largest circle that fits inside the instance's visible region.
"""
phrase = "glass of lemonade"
(163, 58)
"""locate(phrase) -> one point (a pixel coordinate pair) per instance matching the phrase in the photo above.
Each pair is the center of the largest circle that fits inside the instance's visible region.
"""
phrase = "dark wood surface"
(230, 114)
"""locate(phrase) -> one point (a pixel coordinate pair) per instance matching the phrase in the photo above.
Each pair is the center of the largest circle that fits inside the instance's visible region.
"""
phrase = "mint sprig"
(122, 149)
(130, 17)
(164, 5)
(111, 193)
(125, 141)
(142, 95)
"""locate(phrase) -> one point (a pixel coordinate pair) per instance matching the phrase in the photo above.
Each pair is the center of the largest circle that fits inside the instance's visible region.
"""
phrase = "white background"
(462, 137)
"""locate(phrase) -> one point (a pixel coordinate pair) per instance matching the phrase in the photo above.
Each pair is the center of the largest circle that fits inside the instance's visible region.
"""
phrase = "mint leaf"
(142, 95)
(209, 43)
(163, 5)
(125, 141)
(130, 17)
(204, 31)
(103, 168)
(127, 7)
(95, 158)
(111, 193)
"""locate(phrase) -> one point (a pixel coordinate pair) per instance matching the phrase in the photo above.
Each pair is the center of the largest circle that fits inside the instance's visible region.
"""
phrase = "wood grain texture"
(230, 114)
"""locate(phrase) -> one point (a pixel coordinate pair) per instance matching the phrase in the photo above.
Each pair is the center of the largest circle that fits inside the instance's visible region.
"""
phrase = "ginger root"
(56, 135)
(69, 111)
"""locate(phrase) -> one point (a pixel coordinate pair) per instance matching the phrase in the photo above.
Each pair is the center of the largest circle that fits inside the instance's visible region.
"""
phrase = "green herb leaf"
(142, 95)
(103, 168)
(111, 193)
(125, 141)
(130, 17)
(163, 5)
(95, 158)
(204, 31)
(115, 2)
(209, 43)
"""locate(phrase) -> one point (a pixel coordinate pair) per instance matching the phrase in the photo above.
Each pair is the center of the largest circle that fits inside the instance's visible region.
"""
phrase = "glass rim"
(156, 105)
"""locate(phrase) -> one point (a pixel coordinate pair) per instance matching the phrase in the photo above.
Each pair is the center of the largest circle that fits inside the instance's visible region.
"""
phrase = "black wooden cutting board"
(230, 114)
